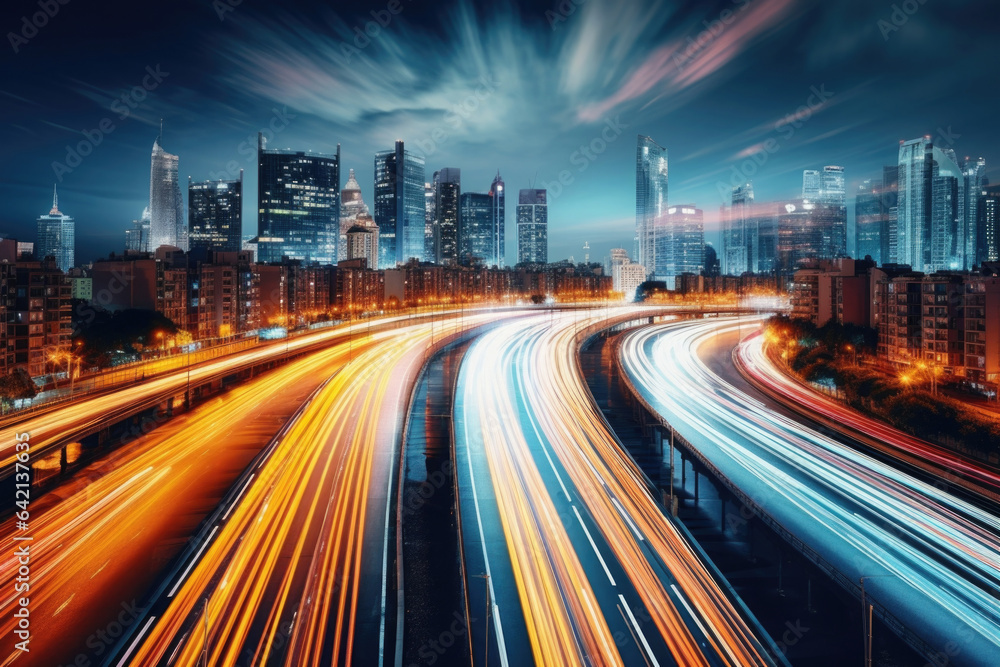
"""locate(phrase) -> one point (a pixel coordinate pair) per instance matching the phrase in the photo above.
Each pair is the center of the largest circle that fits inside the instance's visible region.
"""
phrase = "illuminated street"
(927, 558)
(566, 527)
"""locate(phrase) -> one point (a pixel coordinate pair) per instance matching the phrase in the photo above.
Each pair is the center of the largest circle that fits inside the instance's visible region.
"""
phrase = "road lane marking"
(628, 520)
(482, 539)
(599, 556)
(638, 630)
(135, 643)
(194, 560)
(236, 500)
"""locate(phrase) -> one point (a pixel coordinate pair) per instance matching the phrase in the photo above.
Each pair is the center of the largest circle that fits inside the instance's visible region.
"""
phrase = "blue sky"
(537, 90)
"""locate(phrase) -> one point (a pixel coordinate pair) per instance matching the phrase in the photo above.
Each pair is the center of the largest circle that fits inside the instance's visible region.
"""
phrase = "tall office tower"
(833, 194)
(973, 181)
(498, 222)
(400, 210)
(166, 204)
(137, 236)
(738, 237)
(811, 184)
(57, 236)
(868, 221)
(650, 198)
(298, 203)
(430, 220)
(447, 194)
(353, 211)
(947, 213)
(475, 229)
(532, 227)
(215, 215)
(833, 191)
(805, 231)
(680, 243)
(916, 165)
(890, 213)
(988, 225)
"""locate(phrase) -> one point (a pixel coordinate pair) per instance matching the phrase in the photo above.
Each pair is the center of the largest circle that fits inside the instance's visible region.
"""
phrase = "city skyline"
(847, 120)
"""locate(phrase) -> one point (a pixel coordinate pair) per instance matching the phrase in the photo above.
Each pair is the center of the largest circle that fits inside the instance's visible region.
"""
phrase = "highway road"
(583, 566)
(758, 367)
(103, 537)
(299, 569)
(930, 559)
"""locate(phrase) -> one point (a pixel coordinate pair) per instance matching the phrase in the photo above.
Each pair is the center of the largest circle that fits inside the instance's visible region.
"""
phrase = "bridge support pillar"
(62, 460)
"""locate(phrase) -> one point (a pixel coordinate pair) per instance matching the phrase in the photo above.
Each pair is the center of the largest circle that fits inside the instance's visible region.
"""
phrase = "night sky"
(482, 87)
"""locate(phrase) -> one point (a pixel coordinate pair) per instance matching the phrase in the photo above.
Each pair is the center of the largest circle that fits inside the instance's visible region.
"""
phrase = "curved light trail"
(296, 573)
(553, 468)
(929, 558)
(753, 360)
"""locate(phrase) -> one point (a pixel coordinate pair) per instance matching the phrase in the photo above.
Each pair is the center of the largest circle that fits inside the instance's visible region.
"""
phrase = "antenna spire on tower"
(55, 201)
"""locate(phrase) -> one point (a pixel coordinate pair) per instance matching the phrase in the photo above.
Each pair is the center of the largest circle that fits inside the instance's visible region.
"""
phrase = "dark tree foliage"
(128, 331)
(17, 385)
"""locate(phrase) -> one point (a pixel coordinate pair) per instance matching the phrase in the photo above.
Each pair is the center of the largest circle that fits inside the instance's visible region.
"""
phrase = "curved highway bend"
(299, 570)
(102, 538)
(912, 451)
(583, 565)
(931, 559)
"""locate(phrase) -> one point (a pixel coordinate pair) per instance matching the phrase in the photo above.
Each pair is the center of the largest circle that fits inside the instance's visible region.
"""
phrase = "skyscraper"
(532, 227)
(890, 213)
(914, 229)
(298, 196)
(166, 204)
(834, 190)
(868, 221)
(988, 225)
(811, 185)
(974, 172)
(57, 236)
(476, 228)
(215, 215)
(430, 220)
(400, 210)
(447, 195)
(498, 213)
(738, 237)
(947, 212)
(680, 243)
(353, 211)
(137, 236)
(650, 198)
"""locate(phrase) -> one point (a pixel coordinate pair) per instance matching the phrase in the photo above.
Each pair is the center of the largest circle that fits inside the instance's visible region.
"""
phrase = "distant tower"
(57, 236)
(532, 227)
(586, 252)
(166, 204)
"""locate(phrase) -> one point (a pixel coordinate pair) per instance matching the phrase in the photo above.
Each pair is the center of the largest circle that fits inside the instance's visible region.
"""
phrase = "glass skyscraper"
(974, 172)
(680, 243)
(476, 228)
(532, 227)
(298, 196)
(811, 184)
(400, 209)
(447, 194)
(650, 198)
(498, 223)
(57, 236)
(947, 212)
(166, 204)
(739, 238)
(868, 221)
(215, 215)
(914, 210)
